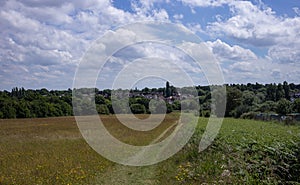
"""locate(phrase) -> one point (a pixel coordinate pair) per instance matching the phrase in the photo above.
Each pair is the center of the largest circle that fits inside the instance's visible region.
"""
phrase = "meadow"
(52, 151)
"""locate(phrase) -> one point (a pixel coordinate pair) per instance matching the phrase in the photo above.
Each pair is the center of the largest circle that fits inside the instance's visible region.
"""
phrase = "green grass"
(52, 151)
(245, 152)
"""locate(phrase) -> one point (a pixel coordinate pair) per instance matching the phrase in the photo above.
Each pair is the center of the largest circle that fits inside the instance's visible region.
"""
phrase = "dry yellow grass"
(52, 150)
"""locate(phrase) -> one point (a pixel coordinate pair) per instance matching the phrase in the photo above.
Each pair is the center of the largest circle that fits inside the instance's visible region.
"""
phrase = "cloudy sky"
(43, 41)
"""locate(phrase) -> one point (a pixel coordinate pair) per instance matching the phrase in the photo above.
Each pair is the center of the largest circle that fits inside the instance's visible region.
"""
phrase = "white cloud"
(205, 3)
(285, 53)
(57, 33)
(160, 15)
(262, 70)
(244, 67)
(195, 28)
(248, 23)
(43, 40)
(156, 51)
(146, 10)
(224, 51)
(178, 16)
(259, 26)
(145, 6)
(29, 38)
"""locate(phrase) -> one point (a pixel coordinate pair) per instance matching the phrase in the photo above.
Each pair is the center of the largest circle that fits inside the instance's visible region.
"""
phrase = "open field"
(52, 151)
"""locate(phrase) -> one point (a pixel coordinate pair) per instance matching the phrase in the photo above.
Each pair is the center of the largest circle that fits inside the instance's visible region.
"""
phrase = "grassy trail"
(120, 174)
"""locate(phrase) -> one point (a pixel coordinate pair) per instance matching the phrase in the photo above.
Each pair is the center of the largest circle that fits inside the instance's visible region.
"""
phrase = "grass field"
(52, 151)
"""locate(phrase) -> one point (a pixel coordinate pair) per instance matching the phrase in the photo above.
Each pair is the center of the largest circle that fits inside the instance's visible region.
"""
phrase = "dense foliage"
(242, 100)
(21, 103)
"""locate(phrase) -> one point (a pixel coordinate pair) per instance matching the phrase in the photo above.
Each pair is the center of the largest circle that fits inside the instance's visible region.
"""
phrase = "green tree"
(271, 92)
(87, 107)
(22, 110)
(53, 110)
(176, 105)
(168, 90)
(268, 106)
(99, 99)
(31, 95)
(248, 98)
(138, 109)
(218, 101)
(284, 107)
(296, 105)
(286, 89)
(66, 109)
(43, 91)
(39, 108)
(241, 109)
(146, 90)
(169, 108)
(7, 107)
(234, 99)
(279, 92)
(102, 109)
(143, 101)
(260, 97)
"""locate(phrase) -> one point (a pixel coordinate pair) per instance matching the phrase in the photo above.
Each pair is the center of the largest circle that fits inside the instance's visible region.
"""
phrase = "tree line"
(242, 100)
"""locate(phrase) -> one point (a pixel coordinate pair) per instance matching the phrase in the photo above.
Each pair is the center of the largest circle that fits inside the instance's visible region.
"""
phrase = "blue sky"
(43, 41)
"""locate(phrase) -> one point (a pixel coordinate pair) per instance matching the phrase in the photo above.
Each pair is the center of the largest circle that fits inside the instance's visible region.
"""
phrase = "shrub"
(138, 109)
(249, 115)
(102, 109)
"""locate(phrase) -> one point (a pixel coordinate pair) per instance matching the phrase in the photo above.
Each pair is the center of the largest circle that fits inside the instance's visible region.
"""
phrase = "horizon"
(141, 88)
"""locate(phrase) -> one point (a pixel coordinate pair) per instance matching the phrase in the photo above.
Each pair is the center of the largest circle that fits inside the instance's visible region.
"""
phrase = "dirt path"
(123, 175)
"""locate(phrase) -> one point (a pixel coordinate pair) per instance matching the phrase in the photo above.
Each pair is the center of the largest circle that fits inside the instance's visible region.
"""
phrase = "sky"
(44, 41)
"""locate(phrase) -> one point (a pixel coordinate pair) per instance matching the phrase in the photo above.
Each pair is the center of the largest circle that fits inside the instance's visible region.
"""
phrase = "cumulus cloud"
(44, 40)
(285, 53)
(146, 10)
(160, 58)
(256, 26)
(244, 67)
(57, 33)
(27, 39)
(250, 23)
(262, 70)
(245, 72)
(259, 26)
(224, 51)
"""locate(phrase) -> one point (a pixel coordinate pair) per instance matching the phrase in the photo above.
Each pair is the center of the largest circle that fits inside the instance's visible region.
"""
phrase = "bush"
(241, 109)
(284, 107)
(138, 109)
(249, 115)
(205, 113)
(102, 109)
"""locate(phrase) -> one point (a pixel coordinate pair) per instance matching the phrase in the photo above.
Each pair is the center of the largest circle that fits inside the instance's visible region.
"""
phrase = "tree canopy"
(278, 98)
